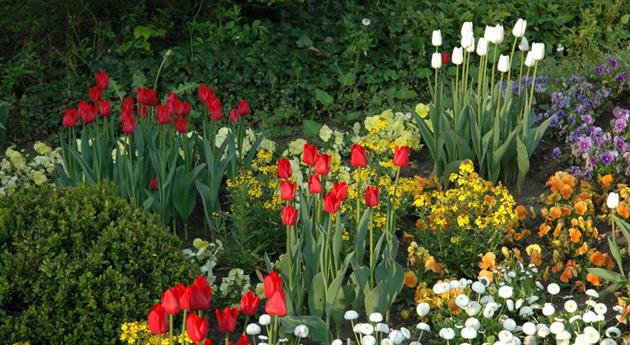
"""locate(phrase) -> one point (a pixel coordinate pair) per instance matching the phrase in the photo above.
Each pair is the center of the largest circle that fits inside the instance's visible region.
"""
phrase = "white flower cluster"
(375, 331)
(264, 321)
(18, 169)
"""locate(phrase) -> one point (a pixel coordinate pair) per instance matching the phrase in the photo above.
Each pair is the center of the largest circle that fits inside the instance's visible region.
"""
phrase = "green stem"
(358, 196)
(157, 75)
(170, 329)
(494, 65)
(511, 56)
(371, 228)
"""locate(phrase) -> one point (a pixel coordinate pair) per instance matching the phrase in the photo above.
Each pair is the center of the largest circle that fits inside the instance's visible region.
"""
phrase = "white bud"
(613, 200)
(436, 60)
(482, 47)
(471, 47)
(524, 45)
(488, 33)
(376, 317)
(350, 315)
(467, 27)
(252, 329)
(519, 28)
(504, 63)
(458, 56)
(264, 320)
(436, 38)
(529, 59)
(301, 331)
(498, 34)
(423, 309)
(538, 50)
(467, 39)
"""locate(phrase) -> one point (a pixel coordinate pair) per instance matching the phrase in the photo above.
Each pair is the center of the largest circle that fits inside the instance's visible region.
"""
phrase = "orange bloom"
(521, 212)
(600, 259)
(606, 181)
(486, 274)
(535, 258)
(568, 179)
(432, 265)
(623, 209)
(555, 183)
(543, 229)
(575, 235)
(488, 261)
(566, 276)
(580, 207)
(593, 279)
(555, 212)
(582, 250)
(566, 191)
(410, 279)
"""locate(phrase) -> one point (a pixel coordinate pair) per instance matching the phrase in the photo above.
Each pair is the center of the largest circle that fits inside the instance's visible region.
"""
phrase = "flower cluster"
(387, 131)
(18, 169)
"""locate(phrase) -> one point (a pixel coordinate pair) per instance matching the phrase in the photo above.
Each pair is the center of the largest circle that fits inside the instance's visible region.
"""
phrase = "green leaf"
(311, 128)
(522, 161)
(323, 97)
(347, 79)
(304, 41)
(318, 331)
(610, 276)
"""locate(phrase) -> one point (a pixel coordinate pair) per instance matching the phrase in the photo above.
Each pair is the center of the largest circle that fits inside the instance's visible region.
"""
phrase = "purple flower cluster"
(598, 152)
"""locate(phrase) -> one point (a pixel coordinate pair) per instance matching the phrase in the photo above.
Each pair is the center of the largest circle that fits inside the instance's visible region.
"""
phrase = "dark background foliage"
(294, 60)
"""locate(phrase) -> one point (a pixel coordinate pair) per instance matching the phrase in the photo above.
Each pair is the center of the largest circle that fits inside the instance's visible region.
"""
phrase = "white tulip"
(396, 337)
(436, 63)
(519, 28)
(538, 50)
(553, 289)
(504, 63)
(467, 40)
(423, 309)
(482, 47)
(467, 27)
(376, 317)
(264, 320)
(498, 34)
(529, 328)
(350, 315)
(301, 331)
(529, 59)
(471, 47)
(613, 200)
(506, 292)
(570, 306)
(252, 329)
(458, 56)
(469, 333)
(436, 38)
(488, 33)
(447, 333)
(368, 340)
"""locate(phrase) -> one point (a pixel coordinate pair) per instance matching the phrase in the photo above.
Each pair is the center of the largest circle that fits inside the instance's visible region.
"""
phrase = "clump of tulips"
(193, 303)
(317, 212)
(151, 153)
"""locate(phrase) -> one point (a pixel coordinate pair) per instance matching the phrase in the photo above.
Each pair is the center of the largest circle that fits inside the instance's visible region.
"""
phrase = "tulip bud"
(524, 45)
(357, 156)
(529, 59)
(436, 38)
(289, 215)
(613, 200)
(538, 50)
(436, 60)
(315, 185)
(498, 34)
(504, 63)
(471, 47)
(401, 156)
(458, 56)
(519, 28)
(371, 196)
(467, 27)
(488, 33)
(467, 39)
(482, 47)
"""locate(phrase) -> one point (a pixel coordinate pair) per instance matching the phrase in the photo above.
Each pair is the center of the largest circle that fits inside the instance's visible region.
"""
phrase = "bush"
(76, 263)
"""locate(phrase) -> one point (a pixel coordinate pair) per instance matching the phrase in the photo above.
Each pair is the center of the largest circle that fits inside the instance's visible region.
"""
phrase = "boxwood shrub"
(76, 263)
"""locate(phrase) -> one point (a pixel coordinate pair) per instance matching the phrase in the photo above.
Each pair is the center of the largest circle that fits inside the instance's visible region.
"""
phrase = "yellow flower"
(42, 148)
(533, 248)
(422, 110)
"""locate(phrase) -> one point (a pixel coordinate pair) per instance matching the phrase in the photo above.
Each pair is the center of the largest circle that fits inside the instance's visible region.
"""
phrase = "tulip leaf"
(318, 331)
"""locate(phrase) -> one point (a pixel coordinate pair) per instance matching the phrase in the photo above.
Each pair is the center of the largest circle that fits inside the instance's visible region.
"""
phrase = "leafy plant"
(619, 279)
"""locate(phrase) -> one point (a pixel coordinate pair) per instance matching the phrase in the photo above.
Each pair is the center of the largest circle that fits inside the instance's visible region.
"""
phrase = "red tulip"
(215, 109)
(226, 319)
(284, 168)
(309, 154)
(180, 288)
(181, 125)
(157, 320)
(127, 106)
(146, 96)
(243, 340)
(87, 112)
(243, 107)
(401, 156)
(95, 94)
(205, 93)
(105, 107)
(445, 57)
(272, 283)
(287, 190)
(196, 327)
(102, 80)
(358, 157)
(170, 301)
(153, 184)
(315, 185)
(289, 215)
(186, 298)
(341, 190)
(202, 294)
(129, 125)
(371, 196)
(70, 118)
(234, 115)
(185, 109)
(322, 164)
(162, 115)
(206, 342)
(331, 204)
(249, 303)
(276, 305)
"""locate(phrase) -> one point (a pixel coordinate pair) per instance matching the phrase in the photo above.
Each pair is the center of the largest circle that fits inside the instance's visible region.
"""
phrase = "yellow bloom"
(422, 110)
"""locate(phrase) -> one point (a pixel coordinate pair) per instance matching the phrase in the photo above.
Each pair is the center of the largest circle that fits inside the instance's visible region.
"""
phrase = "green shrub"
(76, 263)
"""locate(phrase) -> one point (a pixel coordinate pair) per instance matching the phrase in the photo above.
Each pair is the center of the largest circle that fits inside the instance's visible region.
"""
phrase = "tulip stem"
(358, 196)
(289, 258)
(511, 55)
(170, 329)
(371, 227)
(184, 323)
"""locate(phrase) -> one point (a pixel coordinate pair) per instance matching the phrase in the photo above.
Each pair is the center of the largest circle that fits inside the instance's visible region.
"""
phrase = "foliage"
(107, 260)
(457, 225)
(18, 169)
(618, 279)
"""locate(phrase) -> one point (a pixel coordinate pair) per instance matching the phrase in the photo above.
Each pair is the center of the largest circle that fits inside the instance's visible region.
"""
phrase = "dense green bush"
(292, 59)
(76, 263)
